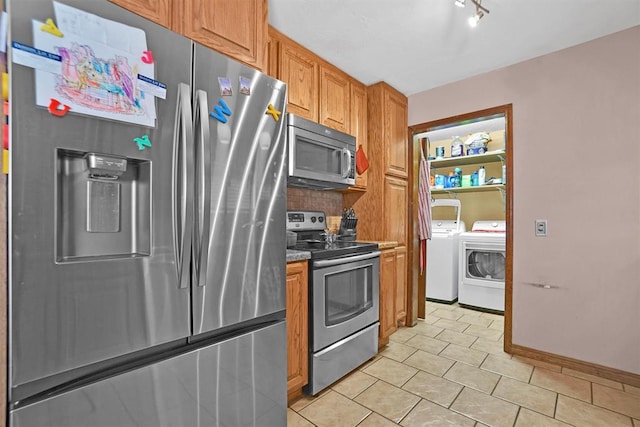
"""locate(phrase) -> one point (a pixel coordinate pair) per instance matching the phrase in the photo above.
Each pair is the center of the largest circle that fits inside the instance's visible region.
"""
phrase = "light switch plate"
(541, 227)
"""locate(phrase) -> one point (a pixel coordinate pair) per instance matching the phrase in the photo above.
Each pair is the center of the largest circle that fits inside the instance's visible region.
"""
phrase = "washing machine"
(482, 265)
(442, 255)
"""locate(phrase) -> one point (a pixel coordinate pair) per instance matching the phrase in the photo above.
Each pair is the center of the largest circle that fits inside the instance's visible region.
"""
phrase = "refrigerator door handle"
(203, 217)
(182, 185)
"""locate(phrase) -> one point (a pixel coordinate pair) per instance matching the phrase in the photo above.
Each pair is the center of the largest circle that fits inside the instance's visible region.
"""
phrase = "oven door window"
(485, 264)
(347, 294)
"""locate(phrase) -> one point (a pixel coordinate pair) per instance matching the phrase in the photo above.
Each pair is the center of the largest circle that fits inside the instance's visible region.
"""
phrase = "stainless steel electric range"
(343, 300)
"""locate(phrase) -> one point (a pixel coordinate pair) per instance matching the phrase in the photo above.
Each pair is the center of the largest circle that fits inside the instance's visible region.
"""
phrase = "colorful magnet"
(5, 162)
(5, 136)
(50, 27)
(142, 142)
(147, 57)
(225, 86)
(57, 108)
(245, 86)
(274, 113)
(220, 110)
(5, 86)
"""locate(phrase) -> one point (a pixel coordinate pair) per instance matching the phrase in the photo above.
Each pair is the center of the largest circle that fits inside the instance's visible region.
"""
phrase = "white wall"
(576, 163)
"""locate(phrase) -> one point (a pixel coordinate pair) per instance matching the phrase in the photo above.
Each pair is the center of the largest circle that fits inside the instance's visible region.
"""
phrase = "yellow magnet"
(50, 27)
(5, 162)
(275, 113)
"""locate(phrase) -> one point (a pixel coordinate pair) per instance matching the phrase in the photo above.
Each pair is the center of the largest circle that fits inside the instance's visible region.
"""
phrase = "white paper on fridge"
(95, 79)
(95, 28)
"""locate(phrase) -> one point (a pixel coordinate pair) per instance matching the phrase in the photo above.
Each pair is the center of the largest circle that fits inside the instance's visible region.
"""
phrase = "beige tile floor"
(450, 370)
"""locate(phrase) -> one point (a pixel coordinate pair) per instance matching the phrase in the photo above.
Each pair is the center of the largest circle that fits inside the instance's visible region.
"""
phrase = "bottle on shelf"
(458, 177)
(504, 173)
(481, 175)
(457, 147)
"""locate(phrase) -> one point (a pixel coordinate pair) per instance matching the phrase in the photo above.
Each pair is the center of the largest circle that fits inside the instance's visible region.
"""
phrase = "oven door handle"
(338, 261)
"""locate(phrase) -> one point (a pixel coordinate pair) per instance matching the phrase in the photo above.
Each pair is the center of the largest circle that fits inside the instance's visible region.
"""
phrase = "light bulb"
(473, 21)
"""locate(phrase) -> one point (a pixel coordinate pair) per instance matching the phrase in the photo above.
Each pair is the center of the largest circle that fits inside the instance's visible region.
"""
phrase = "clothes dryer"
(442, 255)
(482, 265)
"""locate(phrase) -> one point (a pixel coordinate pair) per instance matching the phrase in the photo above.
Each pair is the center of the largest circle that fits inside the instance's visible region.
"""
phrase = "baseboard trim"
(578, 365)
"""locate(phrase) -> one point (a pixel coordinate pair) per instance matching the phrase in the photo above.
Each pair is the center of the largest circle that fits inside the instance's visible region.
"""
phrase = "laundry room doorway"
(470, 159)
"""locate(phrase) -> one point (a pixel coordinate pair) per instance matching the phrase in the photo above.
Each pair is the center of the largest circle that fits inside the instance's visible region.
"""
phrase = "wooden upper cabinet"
(396, 197)
(395, 129)
(358, 122)
(235, 28)
(158, 11)
(300, 71)
(334, 98)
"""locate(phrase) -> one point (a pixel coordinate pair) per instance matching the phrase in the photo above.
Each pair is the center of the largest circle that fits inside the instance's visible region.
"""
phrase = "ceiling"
(416, 45)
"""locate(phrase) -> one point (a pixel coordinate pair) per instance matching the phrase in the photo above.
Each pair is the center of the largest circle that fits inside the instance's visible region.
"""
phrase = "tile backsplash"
(330, 202)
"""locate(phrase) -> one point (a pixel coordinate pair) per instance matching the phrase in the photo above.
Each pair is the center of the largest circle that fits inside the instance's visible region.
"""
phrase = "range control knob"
(320, 219)
(313, 219)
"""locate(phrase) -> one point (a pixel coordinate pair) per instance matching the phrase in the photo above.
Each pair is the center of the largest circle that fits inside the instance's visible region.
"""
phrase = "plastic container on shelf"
(457, 172)
(481, 175)
(457, 147)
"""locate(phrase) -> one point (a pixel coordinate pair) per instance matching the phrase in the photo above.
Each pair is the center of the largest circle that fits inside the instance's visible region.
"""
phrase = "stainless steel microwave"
(320, 158)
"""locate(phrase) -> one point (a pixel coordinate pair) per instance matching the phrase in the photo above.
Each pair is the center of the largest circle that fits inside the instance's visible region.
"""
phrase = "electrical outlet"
(541, 227)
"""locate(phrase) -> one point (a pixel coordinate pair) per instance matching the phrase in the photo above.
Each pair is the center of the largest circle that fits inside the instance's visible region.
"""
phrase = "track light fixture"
(480, 11)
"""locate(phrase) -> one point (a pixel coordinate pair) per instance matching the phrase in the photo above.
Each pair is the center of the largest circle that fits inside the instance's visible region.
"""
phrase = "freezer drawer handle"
(182, 186)
(203, 183)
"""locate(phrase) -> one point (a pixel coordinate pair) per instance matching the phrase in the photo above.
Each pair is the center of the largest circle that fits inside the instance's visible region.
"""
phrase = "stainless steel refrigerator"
(146, 226)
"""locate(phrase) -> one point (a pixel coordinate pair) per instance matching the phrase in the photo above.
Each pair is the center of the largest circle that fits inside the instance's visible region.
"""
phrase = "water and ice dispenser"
(103, 206)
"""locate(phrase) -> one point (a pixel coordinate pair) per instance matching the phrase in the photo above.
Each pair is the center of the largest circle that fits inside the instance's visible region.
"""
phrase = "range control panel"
(305, 220)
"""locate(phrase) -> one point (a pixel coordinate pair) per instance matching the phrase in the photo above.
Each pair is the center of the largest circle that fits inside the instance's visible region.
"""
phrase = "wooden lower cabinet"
(388, 277)
(297, 328)
(401, 285)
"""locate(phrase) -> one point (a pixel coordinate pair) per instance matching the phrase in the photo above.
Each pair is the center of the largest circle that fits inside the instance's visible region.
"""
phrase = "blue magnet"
(220, 110)
(143, 142)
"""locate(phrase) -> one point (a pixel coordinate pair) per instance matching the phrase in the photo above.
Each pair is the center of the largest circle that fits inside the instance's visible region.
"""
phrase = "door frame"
(416, 277)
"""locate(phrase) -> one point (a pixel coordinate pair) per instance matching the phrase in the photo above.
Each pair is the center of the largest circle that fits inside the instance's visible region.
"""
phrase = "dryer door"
(484, 264)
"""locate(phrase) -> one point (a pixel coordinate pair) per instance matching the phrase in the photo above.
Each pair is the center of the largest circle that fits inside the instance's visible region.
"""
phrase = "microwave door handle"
(346, 153)
(182, 184)
(204, 196)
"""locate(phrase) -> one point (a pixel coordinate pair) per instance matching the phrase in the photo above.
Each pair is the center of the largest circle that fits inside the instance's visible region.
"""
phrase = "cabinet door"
(334, 99)
(236, 29)
(395, 208)
(300, 72)
(387, 295)
(359, 123)
(401, 285)
(297, 327)
(158, 11)
(395, 130)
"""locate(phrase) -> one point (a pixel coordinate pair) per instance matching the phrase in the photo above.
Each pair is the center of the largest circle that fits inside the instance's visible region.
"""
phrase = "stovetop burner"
(310, 228)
